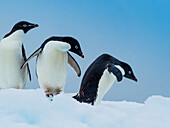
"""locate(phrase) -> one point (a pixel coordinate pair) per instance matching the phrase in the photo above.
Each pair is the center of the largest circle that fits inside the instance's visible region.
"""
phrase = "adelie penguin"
(52, 60)
(100, 76)
(12, 56)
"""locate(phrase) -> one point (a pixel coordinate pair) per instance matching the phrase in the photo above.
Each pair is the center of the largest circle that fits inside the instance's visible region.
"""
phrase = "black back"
(22, 25)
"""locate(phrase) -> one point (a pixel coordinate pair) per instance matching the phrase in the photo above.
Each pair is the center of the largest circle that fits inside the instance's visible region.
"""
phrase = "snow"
(31, 109)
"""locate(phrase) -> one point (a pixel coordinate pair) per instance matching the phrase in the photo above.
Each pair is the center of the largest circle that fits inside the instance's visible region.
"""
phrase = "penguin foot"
(48, 94)
(57, 93)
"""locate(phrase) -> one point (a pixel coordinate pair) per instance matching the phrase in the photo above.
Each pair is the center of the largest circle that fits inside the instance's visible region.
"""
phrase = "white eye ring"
(76, 47)
(24, 25)
(129, 72)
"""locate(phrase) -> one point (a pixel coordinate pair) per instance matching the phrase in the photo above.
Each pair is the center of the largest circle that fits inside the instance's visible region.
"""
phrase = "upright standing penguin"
(100, 76)
(12, 56)
(52, 60)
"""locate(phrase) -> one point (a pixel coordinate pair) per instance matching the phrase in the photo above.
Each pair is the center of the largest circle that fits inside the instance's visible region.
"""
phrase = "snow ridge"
(31, 109)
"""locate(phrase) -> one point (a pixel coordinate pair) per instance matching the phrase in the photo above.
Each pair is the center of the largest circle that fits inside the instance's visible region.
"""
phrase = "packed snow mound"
(31, 109)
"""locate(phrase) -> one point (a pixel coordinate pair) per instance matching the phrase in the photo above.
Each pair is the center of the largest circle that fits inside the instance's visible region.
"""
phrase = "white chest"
(11, 49)
(52, 62)
(52, 67)
(11, 76)
(105, 84)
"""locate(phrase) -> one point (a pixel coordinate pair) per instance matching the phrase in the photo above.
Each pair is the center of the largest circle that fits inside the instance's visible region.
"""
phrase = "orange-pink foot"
(58, 93)
(48, 94)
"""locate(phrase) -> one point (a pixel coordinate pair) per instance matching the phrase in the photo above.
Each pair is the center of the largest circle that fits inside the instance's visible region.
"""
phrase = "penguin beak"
(82, 55)
(33, 25)
(135, 79)
(36, 25)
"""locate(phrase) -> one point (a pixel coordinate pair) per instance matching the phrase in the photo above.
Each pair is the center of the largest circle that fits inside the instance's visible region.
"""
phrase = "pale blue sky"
(134, 31)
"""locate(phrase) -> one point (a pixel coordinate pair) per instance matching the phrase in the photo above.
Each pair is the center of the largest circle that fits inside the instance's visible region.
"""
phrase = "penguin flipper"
(24, 56)
(74, 64)
(116, 72)
(34, 54)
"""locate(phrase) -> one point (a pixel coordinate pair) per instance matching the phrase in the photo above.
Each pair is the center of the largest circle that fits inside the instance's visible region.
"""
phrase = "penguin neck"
(17, 35)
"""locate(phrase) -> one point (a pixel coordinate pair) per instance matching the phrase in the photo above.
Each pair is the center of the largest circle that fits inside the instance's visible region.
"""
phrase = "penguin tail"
(78, 97)
(75, 97)
(82, 97)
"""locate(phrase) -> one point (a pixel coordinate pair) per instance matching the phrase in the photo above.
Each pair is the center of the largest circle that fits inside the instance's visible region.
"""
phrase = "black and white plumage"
(12, 56)
(100, 76)
(52, 60)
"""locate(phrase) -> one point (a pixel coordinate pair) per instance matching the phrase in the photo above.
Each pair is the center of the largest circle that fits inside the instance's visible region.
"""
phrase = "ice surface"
(31, 109)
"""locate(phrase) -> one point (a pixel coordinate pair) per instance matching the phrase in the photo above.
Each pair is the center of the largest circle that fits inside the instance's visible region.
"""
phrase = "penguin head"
(22, 25)
(75, 46)
(128, 71)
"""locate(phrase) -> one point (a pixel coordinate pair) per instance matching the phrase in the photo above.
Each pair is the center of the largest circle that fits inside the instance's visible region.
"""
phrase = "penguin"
(51, 64)
(100, 76)
(12, 56)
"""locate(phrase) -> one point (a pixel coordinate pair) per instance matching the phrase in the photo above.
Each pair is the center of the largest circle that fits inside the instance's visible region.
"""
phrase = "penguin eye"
(129, 72)
(76, 47)
(24, 25)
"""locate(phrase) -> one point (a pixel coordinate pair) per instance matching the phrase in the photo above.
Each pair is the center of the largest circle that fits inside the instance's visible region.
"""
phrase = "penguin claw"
(51, 95)
(57, 93)
(48, 94)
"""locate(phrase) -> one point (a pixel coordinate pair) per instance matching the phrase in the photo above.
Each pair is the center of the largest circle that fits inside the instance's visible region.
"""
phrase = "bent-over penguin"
(100, 76)
(52, 60)
(12, 56)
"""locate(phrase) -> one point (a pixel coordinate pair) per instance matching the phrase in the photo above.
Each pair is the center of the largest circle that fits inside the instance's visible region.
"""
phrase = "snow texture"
(31, 109)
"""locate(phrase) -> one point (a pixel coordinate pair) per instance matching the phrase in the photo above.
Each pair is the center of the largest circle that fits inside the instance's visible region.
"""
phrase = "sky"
(136, 32)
